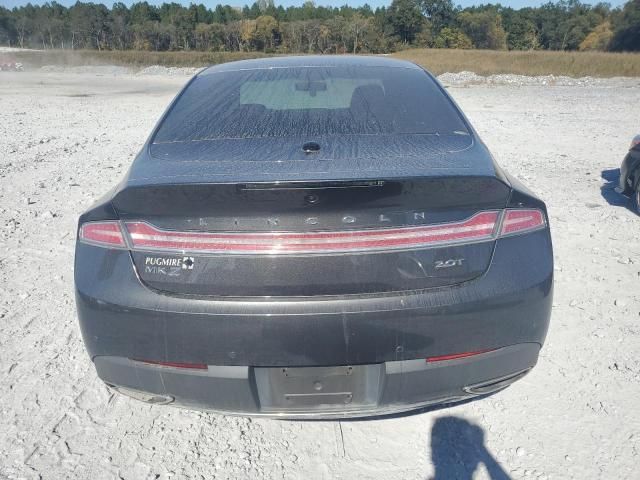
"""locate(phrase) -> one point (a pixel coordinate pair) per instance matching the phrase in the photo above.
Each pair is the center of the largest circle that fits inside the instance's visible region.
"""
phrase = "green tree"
(522, 33)
(405, 19)
(452, 38)
(560, 25)
(357, 29)
(8, 32)
(184, 22)
(266, 29)
(143, 12)
(441, 13)
(120, 26)
(626, 35)
(209, 36)
(484, 29)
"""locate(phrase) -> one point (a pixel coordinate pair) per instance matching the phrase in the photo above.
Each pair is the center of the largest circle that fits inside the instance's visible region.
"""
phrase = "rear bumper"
(510, 304)
(506, 310)
(391, 387)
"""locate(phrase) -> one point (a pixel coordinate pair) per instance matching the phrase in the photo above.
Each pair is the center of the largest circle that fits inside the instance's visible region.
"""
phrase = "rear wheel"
(636, 201)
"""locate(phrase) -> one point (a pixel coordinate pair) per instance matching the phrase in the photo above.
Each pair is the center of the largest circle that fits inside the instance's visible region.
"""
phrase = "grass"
(483, 62)
(488, 62)
(133, 58)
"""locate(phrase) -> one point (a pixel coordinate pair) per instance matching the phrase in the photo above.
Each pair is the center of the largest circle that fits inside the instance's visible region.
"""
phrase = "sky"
(334, 3)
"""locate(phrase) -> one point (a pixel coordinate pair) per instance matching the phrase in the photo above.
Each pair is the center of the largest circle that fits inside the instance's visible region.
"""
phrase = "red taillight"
(107, 234)
(456, 356)
(193, 366)
(482, 226)
(517, 221)
(479, 227)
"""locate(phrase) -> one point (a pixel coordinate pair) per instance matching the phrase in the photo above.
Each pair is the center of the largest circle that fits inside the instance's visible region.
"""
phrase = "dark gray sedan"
(314, 237)
(630, 174)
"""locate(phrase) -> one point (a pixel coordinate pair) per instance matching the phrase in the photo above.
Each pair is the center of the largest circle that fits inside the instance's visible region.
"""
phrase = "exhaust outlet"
(495, 384)
(152, 398)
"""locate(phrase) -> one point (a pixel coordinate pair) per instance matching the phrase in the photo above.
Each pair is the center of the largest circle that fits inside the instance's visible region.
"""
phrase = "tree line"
(263, 26)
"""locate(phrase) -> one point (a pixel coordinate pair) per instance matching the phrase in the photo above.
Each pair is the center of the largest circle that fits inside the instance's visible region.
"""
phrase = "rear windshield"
(309, 102)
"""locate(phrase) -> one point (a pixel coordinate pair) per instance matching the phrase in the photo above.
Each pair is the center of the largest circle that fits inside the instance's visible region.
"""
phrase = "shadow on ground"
(607, 190)
(458, 449)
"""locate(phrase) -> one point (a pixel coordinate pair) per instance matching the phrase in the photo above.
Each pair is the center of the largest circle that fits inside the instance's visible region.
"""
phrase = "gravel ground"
(450, 79)
(65, 139)
(470, 78)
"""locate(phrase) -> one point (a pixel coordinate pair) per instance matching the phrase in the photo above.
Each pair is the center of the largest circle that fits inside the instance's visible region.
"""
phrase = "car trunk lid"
(312, 238)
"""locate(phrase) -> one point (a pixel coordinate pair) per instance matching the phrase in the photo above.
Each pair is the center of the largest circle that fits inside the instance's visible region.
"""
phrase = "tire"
(636, 201)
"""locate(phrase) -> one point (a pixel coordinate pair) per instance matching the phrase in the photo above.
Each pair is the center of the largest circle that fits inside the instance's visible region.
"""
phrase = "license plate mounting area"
(317, 389)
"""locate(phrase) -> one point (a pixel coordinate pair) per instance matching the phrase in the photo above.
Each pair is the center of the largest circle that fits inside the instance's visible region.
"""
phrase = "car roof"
(311, 61)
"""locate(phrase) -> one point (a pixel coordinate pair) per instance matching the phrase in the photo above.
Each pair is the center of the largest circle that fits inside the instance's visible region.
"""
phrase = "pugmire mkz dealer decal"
(170, 266)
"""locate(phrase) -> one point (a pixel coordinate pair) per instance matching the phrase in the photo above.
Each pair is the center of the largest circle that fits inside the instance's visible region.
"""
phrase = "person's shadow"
(457, 449)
